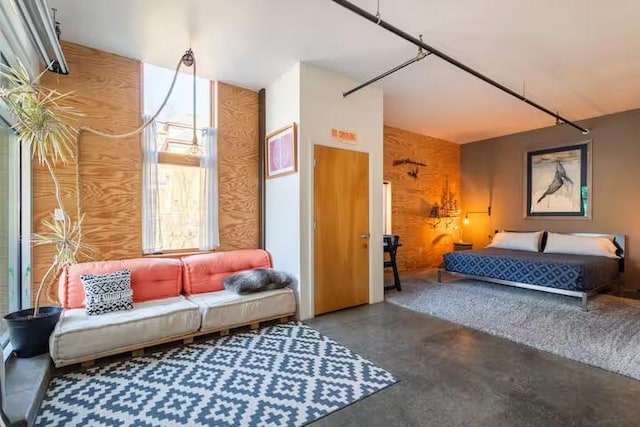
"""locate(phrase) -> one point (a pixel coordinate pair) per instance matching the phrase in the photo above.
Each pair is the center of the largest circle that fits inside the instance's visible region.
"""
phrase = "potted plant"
(45, 126)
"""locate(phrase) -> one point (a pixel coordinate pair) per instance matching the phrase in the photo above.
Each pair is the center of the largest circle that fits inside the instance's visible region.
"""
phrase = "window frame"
(17, 48)
(18, 219)
(387, 208)
(180, 159)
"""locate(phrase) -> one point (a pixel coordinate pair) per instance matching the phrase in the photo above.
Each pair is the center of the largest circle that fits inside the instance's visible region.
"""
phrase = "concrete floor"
(454, 376)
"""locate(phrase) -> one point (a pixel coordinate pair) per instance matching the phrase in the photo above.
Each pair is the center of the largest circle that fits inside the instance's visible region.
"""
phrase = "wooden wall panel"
(412, 199)
(237, 123)
(108, 91)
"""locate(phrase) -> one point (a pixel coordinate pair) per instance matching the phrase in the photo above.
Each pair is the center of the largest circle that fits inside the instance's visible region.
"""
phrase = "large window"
(15, 181)
(179, 183)
(9, 219)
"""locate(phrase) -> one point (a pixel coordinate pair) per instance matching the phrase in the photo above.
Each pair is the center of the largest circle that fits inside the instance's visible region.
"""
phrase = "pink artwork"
(281, 152)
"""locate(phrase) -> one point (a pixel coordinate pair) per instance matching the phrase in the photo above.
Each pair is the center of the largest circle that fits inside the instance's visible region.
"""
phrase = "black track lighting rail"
(429, 49)
(420, 56)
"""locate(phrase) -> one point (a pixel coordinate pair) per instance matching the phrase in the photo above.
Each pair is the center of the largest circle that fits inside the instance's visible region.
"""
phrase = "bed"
(573, 275)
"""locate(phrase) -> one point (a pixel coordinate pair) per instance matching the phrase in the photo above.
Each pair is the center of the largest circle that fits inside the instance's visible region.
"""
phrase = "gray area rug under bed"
(607, 336)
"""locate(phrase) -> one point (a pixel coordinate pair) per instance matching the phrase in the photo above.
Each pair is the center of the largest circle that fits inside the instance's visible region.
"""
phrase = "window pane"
(4, 226)
(8, 216)
(180, 181)
(181, 192)
(173, 138)
(179, 108)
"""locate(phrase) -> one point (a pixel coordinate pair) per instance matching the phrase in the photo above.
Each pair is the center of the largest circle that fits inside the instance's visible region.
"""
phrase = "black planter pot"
(30, 335)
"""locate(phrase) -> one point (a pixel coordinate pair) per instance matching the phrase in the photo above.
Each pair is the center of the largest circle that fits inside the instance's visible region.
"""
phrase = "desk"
(390, 245)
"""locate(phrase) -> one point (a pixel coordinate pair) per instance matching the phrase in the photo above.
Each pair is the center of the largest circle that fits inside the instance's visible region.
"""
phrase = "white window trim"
(209, 227)
(386, 205)
(25, 220)
(13, 232)
(7, 348)
(17, 49)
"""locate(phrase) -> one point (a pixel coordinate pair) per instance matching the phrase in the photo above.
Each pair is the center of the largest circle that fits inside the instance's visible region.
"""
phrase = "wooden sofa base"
(253, 325)
(137, 350)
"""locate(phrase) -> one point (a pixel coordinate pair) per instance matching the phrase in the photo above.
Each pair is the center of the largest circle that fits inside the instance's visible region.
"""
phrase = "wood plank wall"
(423, 245)
(237, 123)
(108, 91)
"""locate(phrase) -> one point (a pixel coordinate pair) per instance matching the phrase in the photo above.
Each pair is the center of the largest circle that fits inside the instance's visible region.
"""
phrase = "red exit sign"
(343, 135)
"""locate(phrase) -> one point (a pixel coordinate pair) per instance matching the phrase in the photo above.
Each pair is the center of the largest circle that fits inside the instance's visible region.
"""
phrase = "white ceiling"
(580, 57)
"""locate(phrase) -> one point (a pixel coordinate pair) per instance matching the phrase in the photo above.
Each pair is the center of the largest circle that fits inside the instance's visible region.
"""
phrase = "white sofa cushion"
(226, 309)
(78, 336)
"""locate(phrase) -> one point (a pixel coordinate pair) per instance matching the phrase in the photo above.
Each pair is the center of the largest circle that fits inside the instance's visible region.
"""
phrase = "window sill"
(7, 350)
(178, 254)
(25, 385)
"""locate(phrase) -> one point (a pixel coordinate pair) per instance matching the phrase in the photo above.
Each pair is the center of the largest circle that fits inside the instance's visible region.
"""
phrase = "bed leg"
(585, 302)
(439, 276)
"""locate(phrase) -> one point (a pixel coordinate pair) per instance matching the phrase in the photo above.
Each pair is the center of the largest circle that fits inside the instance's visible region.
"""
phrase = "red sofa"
(174, 299)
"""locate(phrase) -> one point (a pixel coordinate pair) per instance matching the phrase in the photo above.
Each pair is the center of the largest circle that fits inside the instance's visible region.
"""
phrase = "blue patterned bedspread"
(568, 272)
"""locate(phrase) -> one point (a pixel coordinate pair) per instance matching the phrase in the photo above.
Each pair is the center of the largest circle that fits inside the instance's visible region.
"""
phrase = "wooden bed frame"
(618, 239)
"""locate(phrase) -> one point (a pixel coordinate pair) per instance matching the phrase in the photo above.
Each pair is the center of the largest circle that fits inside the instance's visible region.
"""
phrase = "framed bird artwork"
(558, 182)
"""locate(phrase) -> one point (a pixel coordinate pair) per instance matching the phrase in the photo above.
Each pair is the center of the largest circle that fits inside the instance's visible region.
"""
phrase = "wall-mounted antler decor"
(413, 173)
(407, 162)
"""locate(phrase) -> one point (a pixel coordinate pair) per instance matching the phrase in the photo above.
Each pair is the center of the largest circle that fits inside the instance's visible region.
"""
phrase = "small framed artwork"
(558, 182)
(281, 151)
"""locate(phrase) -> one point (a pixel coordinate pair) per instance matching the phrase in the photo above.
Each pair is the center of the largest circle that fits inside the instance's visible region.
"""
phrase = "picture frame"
(281, 151)
(558, 182)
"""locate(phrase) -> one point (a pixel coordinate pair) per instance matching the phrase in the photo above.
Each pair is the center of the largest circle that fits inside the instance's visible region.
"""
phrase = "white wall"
(282, 210)
(318, 108)
(323, 108)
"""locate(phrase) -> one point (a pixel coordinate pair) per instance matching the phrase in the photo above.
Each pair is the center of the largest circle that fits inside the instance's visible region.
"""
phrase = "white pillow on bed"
(519, 241)
(580, 245)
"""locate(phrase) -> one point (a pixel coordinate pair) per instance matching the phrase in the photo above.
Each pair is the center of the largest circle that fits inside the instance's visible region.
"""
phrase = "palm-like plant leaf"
(67, 237)
(43, 124)
(40, 120)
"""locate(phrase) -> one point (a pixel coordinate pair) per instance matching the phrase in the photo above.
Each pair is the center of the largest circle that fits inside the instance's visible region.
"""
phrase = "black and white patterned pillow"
(105, 293)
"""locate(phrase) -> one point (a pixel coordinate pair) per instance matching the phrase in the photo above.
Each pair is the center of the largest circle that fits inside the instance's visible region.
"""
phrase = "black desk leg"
(396, 276)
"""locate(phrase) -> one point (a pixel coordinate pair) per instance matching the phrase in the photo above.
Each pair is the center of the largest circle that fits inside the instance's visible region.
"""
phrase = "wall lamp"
(466, 221)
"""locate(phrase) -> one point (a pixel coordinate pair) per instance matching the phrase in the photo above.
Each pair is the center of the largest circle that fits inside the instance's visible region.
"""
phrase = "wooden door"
(341, 213)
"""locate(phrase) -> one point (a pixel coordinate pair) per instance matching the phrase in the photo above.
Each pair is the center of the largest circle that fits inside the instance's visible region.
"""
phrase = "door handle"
(365, 235)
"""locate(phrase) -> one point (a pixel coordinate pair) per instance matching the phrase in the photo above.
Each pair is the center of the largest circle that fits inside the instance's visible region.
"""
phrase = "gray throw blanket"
(256, 280)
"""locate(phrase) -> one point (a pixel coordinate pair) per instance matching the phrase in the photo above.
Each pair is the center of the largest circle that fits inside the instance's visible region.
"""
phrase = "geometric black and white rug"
(282, 375)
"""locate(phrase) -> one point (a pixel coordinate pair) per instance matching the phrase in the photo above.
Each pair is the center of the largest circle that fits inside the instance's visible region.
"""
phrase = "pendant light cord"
(155, 116)
(195, 138)
(129, 134)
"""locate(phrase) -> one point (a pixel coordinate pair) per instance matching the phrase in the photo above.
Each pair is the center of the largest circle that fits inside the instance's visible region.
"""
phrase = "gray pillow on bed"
(256, 280)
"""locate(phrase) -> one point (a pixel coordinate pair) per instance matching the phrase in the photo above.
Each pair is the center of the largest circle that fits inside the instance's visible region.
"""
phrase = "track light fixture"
(376, 19)
(44, 32)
